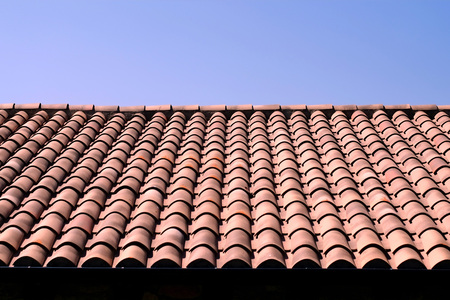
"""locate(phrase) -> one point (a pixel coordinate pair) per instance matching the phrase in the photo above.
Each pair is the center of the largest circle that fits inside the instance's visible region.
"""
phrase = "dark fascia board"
(231, 276)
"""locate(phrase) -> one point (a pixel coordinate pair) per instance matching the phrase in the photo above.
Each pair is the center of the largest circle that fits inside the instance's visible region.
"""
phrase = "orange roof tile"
(219, 186)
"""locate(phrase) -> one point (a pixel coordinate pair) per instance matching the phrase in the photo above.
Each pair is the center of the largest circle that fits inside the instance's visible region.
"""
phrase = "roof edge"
(328, 109)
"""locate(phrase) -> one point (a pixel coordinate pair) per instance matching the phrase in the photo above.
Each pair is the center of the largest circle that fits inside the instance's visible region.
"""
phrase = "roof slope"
(225, 186)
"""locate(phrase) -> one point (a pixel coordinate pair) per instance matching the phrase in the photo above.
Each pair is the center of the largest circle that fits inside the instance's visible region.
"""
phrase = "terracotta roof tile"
(269, 107)
(28, 106)
(240, 107)
(84, 107)
(295, 186)
(7, 105)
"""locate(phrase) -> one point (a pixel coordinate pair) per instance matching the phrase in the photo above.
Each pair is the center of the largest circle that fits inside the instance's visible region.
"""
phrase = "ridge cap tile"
(193, 107)
(424, 107)
(293, 107)
(166, 107)
(370, 106)
(240, 107)
(112, 108)
(267, 107)
(7, 105)
(56, 106)
(134, 108)
(87, 107)
(315, 107)
(219, 107)
(398, 107)
(345, 107)
(28, 106)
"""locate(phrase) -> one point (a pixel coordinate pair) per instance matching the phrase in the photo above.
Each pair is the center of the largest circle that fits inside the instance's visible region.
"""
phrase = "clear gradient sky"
(225, 52)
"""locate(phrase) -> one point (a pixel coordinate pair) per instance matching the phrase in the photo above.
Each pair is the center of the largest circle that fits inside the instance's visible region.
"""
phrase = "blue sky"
(225, 52)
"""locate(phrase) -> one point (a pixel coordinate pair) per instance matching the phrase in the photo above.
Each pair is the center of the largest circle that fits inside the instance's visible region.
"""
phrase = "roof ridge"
(220, 107)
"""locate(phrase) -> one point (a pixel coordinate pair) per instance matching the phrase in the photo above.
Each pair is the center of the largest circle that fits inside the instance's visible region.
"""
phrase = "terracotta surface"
(225, 186)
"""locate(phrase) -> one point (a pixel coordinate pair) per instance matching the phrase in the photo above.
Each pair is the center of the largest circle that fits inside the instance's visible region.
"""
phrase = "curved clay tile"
(398, 239)
(408, 258)
(42, 195)
(367, 238)
(284, 149)
(295, 208)
(114, 220)
(132, 182)
(339, 257)
(210, 179)
(433, 238)
(23, 220)
(152, 194)
(3, 116)
(107, 236)
(144, 221)
(201, 257)
(10, 199)
(206, 222)
(204, 238)
(157, 184)
(99, 256)
(267, 220)
(262, 184)
(280, 132)
(439, 258)
(211, 195)
(171, 228)
(166, 257)
(422, 222)
(269, 237)
(33, 207)
(324, 208)
(373, 258)
(269, 257)
(301, 234)
(6, 254)
(257, 116)
(12, 237)
(236, 257)
(237, 208)
(179, 207)
(127, 196)
(182, 194)
(68, 195)
(237, 237)
(53, 221)
(291, 196)
(290, 180)
(442, 118)
(239, 192)
(239, 158)
(43, 237)
(239, 172)
(238, 115)
(305, 257)
(358, 217)
(81, 221)
(32, 256)
(61, 208)
(132, 256)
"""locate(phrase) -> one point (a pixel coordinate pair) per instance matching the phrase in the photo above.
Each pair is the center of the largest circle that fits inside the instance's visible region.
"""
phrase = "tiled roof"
(225, 186)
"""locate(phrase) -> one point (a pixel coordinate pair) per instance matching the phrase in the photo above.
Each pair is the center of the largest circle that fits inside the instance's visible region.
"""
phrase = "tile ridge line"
(222, 107)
